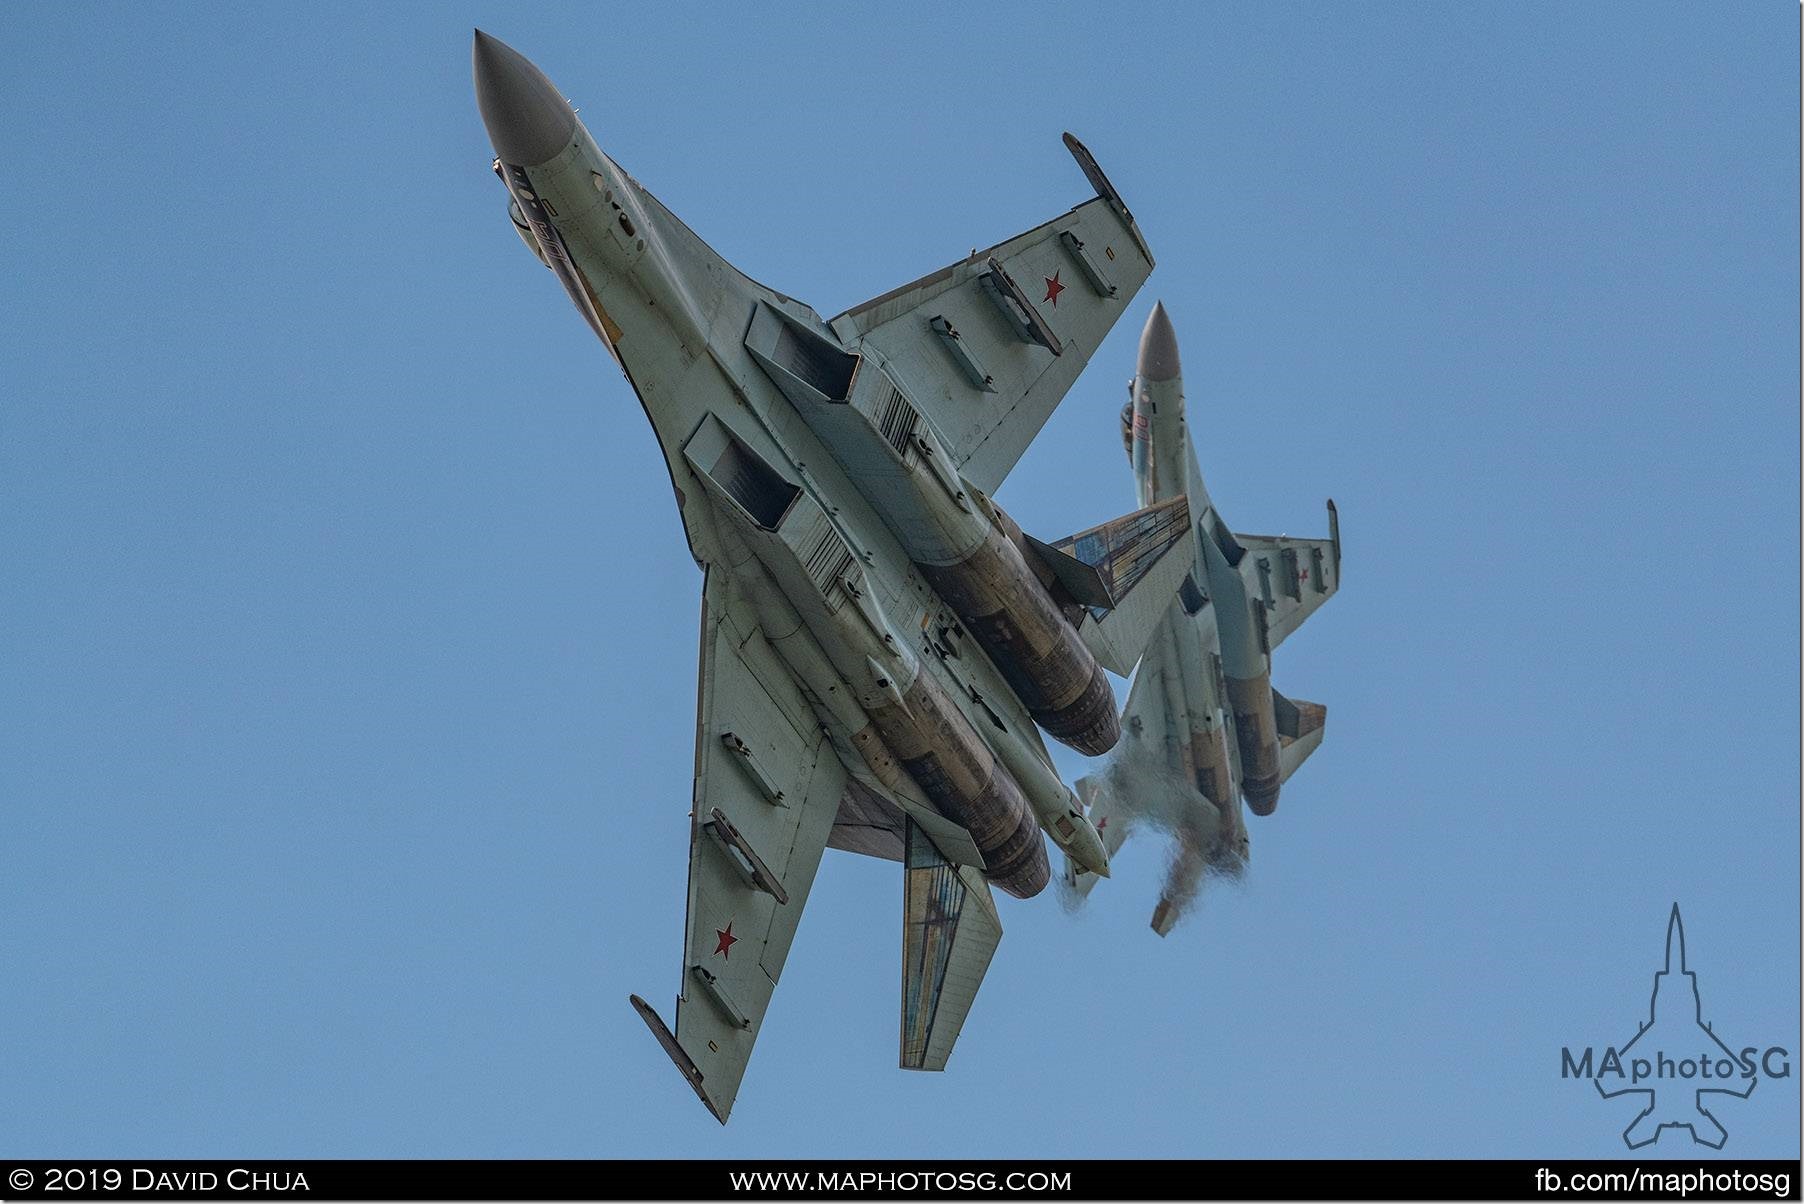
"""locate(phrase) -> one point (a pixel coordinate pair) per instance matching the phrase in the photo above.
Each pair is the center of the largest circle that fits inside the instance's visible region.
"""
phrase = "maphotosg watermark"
(1675, 1059)
(1677, 1184)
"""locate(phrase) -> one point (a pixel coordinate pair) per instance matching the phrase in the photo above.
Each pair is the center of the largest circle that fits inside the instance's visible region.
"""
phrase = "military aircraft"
(1202, 725)
(881, 644)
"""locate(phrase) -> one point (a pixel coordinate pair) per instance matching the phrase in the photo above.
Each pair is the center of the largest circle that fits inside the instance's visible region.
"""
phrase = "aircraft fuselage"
(888, 586)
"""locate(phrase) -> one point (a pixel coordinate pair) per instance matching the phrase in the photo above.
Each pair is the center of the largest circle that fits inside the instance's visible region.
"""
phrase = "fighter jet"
(881, 644)
(1203, 726)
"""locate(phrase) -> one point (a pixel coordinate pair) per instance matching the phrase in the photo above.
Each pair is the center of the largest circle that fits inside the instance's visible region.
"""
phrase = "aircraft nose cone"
(529, 121)
(1158, 347)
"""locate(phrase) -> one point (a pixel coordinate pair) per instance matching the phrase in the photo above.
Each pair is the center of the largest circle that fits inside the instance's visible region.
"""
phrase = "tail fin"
(950, 931)
(1125, 574)
(1300, 727)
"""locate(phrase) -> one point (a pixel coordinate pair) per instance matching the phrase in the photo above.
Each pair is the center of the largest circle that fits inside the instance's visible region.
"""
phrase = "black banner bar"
(1193, 1179)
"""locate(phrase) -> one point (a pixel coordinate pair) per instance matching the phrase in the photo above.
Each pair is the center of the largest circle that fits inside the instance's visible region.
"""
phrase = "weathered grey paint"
(873, 645)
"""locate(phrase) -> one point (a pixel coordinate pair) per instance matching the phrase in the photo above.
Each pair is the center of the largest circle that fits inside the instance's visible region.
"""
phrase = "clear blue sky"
(347, 636)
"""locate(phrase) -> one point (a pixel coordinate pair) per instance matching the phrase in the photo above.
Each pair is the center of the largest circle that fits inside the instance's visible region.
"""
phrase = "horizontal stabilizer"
(872, 820)
(1165, 917)
(1099, 806)
(950, 931)
(1082, 581)
(1141, 558)
(1300, 728)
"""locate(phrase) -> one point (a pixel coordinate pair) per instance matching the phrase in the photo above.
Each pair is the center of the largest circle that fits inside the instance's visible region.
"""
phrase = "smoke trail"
(1140, 791)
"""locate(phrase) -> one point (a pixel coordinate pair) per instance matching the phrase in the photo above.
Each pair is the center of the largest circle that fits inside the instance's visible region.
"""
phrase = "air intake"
(809, 367)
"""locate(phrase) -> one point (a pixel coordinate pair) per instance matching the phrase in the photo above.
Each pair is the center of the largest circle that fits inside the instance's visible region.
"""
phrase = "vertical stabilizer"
(950, 931)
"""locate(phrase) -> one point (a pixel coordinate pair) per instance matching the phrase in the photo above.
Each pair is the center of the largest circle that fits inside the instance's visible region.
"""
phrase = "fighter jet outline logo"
(1692, 1115)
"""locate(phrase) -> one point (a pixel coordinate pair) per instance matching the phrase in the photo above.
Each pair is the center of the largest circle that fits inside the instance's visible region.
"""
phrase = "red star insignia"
(1053, 288)
(1303, 576)
(727, 940)
(1103, 824)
